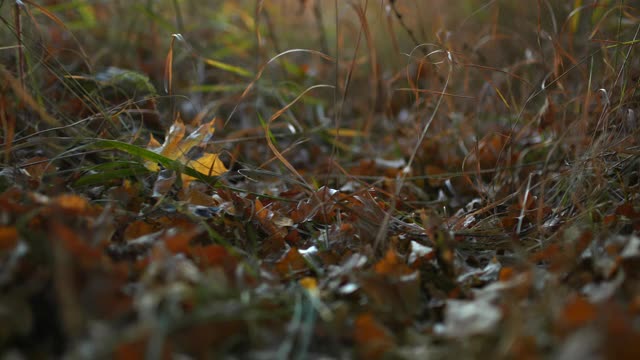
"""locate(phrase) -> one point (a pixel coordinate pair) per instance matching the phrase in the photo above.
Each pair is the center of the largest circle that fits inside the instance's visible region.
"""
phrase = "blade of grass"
(110, 171)
(226, 67)
(106, 176)
(153, 157)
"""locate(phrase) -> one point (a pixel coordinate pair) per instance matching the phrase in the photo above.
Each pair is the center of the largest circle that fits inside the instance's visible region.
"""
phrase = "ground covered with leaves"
(320, 179)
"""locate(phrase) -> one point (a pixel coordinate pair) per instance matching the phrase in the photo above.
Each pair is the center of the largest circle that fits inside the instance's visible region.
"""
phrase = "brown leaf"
(38, 166)
(432, 172)
(137, 349)
(163, 183)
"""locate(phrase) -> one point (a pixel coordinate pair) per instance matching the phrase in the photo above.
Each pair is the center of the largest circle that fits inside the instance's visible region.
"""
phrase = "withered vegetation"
(313, 178)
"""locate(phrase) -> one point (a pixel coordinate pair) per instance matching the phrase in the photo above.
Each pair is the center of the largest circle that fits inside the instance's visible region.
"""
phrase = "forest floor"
(320, 179)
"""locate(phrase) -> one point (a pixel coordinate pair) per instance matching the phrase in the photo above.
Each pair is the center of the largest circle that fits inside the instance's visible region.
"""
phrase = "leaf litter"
(509, 231)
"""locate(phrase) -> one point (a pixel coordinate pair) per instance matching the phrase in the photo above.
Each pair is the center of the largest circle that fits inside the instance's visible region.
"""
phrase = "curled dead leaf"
(177, 147)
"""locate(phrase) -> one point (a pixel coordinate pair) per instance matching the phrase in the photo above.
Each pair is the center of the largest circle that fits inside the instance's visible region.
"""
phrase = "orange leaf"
(137, 349)
(153, 143)
(372, 338)
(578, 312)
(260, 212)
(506, 273)
(392, 265)
(8, 237)
(73, 204)
(291, 262)
(74, 244)
(137, 229)
(130, 351)
(212, 255)
(178, 240)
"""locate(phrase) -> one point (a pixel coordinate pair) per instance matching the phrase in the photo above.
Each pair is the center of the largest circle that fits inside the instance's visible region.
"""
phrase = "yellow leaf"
(196, 138)
(309, 283)
(171, 146)
(176, 147)
(208, 164)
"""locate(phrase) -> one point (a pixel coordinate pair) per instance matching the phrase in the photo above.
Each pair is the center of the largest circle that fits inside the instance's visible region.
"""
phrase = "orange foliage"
(291, 263)
(75, 244)
(211, 255)
(8, 237)
(577, 312)
(373, 340)
(391, 264)
(71, 204)
(506, 273)
(137, 229)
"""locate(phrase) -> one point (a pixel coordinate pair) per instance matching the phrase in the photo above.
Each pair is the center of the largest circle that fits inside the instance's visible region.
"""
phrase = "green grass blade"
(229, 68)
(153, 157)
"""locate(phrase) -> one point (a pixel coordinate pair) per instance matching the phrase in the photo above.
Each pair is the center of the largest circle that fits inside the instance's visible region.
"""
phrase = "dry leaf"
(392, 265)
(73, 204)
(372, 338)
(291, 263)
(8, 237)
(177, 147)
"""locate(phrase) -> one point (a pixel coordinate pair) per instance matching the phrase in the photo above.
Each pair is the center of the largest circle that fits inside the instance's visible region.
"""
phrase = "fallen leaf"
(177, 147)
(75, 244)
(38, 166)
(292, 262)
(214, 256)
(577, 312)
(208, 164)
(165, 180)
(177, 240)
(391, 264)
(137, 229)
(372, 338)
(73, 204)
(8, 237)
